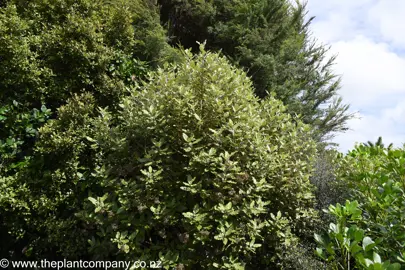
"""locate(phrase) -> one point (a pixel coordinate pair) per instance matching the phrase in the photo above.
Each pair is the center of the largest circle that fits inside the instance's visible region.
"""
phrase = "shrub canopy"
(195, 171)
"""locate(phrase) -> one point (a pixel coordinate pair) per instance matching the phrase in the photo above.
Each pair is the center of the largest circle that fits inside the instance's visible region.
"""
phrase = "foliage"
(100, 158)
(195, 172)
(39, 202)
(329, 189)
(18, 128)
(375, 176)
(50, 50)
(302, 257)
(350, 247)
(271, 41)
(194, 154)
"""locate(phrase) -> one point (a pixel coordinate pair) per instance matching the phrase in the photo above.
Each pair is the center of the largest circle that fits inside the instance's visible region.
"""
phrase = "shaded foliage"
(50, 51)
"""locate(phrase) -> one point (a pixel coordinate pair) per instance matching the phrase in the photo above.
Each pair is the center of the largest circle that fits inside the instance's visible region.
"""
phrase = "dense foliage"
(50, 50)
(374, 175)
(116, 143)
(223, 182)
(271, 41)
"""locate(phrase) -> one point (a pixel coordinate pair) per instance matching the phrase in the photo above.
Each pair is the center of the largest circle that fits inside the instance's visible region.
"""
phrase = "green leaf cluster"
(373, 175)
(346, 245)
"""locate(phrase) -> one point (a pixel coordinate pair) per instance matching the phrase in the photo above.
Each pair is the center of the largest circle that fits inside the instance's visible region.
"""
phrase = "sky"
(368, 37)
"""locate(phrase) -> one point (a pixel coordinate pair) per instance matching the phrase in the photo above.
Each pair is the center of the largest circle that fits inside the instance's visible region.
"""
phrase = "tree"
(271, 41)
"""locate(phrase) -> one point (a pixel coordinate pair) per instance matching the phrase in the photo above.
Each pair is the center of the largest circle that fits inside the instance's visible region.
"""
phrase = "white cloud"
(371, 72)
(370, 127)
(396, 115)
(338, 19)
(368, 37)
(387, 16)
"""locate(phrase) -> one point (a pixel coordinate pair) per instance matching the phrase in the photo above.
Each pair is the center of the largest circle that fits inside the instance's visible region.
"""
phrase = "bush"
(50, 50)
(205, 175)
(271, 40)
(349, 247)
(39, 202)
(375, 176)
(195, 172)
(329, 189)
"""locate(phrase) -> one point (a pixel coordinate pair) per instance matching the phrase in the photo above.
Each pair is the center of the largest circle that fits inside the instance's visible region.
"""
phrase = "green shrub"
(271, 40)
(346, 246)
(38, 202)
(374, 175)
(50, 50)
(204, 175)
(195, 172)
(329, 189)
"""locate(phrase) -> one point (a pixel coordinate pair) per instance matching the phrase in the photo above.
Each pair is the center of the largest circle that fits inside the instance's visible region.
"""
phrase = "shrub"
(194, 171)
(375, 175)
(190, 169)
(349, 247)
(329, 189)
(50, 50)
(271, 40)
(38, 203)
(204, 175)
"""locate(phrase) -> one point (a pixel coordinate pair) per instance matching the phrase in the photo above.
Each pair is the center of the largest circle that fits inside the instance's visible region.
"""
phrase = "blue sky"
(369, 38)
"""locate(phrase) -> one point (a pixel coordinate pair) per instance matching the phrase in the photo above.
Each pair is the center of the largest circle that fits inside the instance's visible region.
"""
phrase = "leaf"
(319, 239)
(355, 248)
(197, 117)
(376, 257)
(319, 252)
(333, 228)
(93, 201)
(358, 235)
(125, 248)
(185, 137)
(394, 266)
(368, 262)
(90, 139)
(368, 243)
